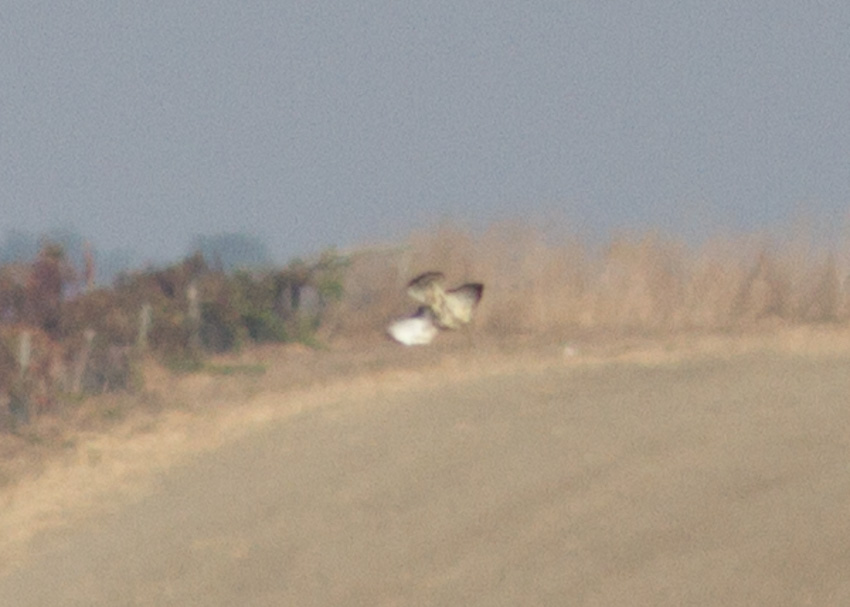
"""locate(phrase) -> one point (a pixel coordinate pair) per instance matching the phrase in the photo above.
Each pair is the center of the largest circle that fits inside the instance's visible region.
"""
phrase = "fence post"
(144, 327)
(194, 314)
(25, 353)
(82, 361)
(19, 395)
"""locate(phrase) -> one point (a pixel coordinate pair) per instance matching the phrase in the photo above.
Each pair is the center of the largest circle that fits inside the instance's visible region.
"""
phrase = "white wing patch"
(418, 330)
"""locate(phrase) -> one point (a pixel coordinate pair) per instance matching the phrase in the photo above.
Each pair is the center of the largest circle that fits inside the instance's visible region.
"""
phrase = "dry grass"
(647, 284)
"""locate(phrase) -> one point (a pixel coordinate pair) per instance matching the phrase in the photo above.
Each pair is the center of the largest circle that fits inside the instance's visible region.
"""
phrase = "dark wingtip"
(476, 287)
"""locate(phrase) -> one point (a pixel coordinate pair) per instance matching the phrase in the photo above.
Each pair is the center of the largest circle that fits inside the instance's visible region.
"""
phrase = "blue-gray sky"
(309, 124)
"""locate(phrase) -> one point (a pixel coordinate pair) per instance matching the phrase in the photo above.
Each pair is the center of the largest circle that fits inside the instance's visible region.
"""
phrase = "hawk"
(439, 309)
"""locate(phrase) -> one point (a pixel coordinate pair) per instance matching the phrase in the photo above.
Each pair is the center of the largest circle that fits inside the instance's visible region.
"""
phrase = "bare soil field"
(689, 471)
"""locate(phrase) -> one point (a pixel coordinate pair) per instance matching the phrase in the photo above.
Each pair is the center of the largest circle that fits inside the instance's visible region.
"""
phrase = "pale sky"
(310, 124)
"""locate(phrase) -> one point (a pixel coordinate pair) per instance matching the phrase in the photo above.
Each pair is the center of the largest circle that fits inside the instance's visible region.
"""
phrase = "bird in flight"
(439, 309)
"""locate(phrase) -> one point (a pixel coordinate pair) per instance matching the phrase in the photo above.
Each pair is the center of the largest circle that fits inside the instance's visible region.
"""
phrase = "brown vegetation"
(635, 284)
(61, 339)
(645, 299)
(81, 340)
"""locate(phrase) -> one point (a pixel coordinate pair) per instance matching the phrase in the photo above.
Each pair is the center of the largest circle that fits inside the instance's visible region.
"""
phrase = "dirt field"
(657, 475)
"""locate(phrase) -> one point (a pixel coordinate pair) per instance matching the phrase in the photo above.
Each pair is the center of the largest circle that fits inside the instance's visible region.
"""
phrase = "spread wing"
(440, 310)
(469, 293)
(460, 304)
(422, 287)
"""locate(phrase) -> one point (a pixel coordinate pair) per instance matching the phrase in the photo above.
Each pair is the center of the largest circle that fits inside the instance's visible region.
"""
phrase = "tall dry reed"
(637, 283)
